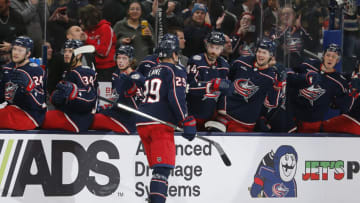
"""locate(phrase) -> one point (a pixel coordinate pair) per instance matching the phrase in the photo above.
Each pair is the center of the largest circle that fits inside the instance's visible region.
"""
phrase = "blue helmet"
(72, 44)
(167, 48)
(126, 50)
(215, 37)
(268, 45)
(24, 41)
(333, 48)
(169, 36)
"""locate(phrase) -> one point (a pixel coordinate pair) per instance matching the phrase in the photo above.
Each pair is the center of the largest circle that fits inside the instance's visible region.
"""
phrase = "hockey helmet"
(24, 41)
(333, 48)
(167, 48)
(215, 37)
(126, 50)
(268, 45)
(72, 44)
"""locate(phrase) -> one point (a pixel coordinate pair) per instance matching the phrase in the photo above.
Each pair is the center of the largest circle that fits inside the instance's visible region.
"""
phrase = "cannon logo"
(24, 155)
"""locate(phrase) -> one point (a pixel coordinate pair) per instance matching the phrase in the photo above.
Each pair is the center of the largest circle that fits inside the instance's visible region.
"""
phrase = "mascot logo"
(275, 174)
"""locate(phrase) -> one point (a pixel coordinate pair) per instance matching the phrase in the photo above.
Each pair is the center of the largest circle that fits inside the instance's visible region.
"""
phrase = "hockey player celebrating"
(22, 95)
(315, 87)
(75, 96)
(125, 83)
(254, 84)
(165, 99)
(203, 68)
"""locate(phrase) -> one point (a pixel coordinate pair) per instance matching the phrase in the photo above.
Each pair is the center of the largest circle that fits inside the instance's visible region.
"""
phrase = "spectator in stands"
(243, 38)
(271, 17)
(250, 6)
(227, 51)
(180, 35)
(11, 25)
(32, 13)
(114, 10)
(102, 37)
(129, 32)
(291, 38)
(195, 31)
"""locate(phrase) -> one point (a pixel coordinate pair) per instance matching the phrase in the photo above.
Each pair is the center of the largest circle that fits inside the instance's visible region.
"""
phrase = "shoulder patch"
(86, 67)
(135, 76)
(196, 57)
(33, 64)
(179, 67)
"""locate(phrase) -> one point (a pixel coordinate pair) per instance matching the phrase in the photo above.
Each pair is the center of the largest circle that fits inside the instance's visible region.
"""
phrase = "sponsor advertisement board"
(59, 168)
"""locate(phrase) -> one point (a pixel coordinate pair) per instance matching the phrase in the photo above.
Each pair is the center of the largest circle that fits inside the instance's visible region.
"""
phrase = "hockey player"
(125, 83)
(348, 122)
(254, 84)
(22, 95)
(203, 68)
(75, 96)
(165, 99)
(317, 86)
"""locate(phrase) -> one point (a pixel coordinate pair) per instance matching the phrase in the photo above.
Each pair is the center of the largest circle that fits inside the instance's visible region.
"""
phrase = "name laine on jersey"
(154, 71)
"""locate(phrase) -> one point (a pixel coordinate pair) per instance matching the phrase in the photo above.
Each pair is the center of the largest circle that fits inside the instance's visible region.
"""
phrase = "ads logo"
(275, 174)
(25, 162)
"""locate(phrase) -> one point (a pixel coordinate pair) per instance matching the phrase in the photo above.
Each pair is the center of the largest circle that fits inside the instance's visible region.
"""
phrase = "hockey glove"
(22, 79)
(128, 85)
(313, 78)
(68, 89)
(217, 84)
(189, 125)
(58, 97)
(138, 78)
(355, 87)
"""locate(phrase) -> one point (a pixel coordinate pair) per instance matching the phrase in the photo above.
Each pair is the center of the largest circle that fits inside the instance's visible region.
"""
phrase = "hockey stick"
(84, 49)
(218, 147)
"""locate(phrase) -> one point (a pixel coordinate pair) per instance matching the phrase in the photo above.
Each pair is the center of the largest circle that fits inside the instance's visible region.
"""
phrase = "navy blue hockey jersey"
(311, 103)
(164, 92)
(250, 90)
(120, 88)
(200, 72)
(81, 110)
(32, 102)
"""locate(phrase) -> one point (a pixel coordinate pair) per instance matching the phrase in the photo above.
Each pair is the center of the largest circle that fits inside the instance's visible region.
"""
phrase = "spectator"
(291, 38)
(12, 25)
(129, 32)
(180, 35)
(114, 10)
(32, 12)
(227, 51)
(243, 38)
(196, 30)
(271, 17)
(102, 37)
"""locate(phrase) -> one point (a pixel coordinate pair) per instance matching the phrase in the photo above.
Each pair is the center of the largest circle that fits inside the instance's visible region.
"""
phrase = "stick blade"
(226, 160)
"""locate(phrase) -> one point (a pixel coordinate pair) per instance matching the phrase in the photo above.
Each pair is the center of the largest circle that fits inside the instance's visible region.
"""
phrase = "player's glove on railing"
(217, 84)
(355, 87)
(65, 91)
(189, 126)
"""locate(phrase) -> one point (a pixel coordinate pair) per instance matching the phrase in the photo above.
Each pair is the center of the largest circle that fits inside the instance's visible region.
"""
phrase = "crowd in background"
(295, 26)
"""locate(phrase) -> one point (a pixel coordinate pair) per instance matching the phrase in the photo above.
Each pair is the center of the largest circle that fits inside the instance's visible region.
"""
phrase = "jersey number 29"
(152, 90)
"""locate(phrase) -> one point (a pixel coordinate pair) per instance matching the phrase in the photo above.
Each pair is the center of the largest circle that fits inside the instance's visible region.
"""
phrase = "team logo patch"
(245, 88)
(275, 175)
(312, 93)
(197, 57)
(10, 91)
(135, 76)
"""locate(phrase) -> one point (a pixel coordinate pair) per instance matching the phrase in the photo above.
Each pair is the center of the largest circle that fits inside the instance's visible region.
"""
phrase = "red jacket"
(103, 38)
